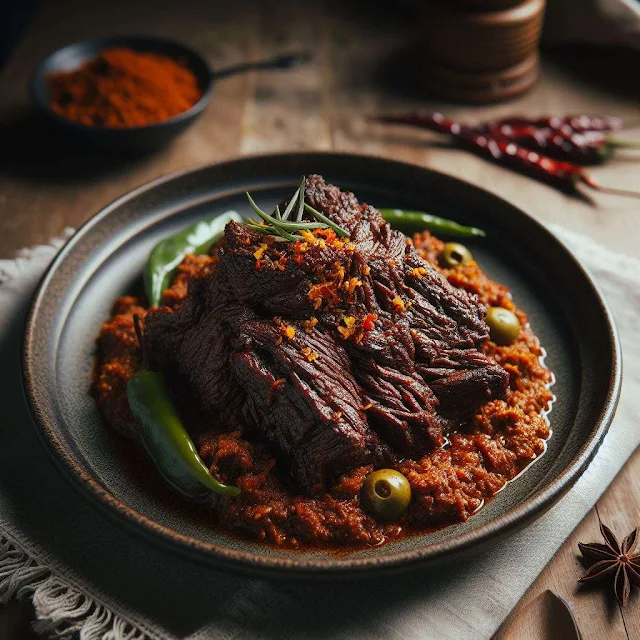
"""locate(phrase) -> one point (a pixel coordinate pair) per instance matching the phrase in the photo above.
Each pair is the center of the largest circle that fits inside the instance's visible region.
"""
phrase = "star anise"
(614, 559)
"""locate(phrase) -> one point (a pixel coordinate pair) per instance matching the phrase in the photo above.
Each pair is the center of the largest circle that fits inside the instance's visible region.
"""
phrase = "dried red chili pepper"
(428, 120)
(569, 124)
(562, 141)
(589, 147)
(566, 124)
(562, 175)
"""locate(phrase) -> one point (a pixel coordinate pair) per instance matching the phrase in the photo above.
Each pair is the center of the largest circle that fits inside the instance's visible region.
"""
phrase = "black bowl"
(130, 139)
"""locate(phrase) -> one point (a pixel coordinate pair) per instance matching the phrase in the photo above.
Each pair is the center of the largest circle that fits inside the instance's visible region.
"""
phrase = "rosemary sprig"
(301, 203)
(289, 209)
(279, 223)
(282, 224)
(267, 230)
(281, 232)
(320, 216)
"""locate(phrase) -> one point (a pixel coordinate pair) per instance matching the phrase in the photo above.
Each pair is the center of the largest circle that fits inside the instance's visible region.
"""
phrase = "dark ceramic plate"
(105, 259)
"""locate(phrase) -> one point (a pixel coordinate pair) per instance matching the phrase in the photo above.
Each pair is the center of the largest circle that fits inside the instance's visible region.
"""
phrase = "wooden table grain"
(358, 68)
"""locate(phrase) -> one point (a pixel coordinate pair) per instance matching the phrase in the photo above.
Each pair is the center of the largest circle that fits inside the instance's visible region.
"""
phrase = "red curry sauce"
(448, 485)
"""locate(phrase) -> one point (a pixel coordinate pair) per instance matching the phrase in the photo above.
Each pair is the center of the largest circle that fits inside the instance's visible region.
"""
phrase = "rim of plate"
(296, 564)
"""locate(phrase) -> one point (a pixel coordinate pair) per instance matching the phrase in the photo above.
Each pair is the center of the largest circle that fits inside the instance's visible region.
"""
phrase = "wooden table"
(46, 183)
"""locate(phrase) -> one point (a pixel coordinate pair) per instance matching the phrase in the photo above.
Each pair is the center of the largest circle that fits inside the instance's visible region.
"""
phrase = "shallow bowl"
(129, 139)
(105, 259)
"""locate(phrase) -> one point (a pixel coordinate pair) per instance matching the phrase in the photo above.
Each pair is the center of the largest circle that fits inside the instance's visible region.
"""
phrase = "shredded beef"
(336, 354)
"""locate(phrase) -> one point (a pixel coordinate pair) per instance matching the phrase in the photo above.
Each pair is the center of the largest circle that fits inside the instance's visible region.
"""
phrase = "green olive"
(504, 326)
(386, 494)
(454, 254)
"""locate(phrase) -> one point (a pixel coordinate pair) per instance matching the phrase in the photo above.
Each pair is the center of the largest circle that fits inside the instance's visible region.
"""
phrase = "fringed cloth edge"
(61, 609)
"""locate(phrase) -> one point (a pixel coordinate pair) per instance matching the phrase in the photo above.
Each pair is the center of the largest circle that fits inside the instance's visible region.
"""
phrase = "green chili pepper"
(170, 252)
(422, 220)
(164, 436)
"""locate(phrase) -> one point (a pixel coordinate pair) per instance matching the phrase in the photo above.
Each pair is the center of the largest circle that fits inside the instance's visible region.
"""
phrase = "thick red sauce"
(448, 485)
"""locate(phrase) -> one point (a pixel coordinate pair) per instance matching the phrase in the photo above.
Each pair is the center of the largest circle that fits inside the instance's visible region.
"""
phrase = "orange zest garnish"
(366, 270)
(398, 304)
(309, 354)
(351, 284)
(419, 272)
(308, 236)
(328, 291)
(310, 323)
(328, 234)
(349, 329)
(288, 330)
(324, 291)
(257, 254)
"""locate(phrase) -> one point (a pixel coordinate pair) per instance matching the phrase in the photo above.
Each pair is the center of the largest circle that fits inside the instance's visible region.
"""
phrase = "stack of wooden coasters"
(478, 50)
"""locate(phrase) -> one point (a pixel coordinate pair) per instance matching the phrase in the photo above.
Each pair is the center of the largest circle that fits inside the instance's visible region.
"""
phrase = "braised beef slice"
(192, 347)
(327, 402)
(422, 369)
(313, 410)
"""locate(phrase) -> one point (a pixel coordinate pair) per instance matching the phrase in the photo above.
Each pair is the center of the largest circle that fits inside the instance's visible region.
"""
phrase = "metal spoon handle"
(279, 62)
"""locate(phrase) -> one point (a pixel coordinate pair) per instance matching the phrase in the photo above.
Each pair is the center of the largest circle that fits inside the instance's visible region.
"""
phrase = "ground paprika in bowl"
(123, 88)
(131, 94)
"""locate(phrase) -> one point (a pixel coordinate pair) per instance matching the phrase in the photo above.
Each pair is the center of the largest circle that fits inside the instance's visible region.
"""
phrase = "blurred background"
(473, 60)
(465, 50)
